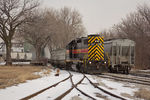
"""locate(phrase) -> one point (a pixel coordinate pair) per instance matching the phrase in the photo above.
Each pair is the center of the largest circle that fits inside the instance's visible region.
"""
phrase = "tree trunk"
(8, 53)
(38, 53)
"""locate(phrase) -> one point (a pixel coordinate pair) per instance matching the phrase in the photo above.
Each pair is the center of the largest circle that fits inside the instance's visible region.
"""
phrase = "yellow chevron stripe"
(102, 46)
(96, 52)
(101, 49)
(98, 38)
(92, 52)
(89, 41)
(91, 56)
(98, 56)
(94, 57)
(101, 39)
(100, 52)
(93, 40)
(91, 49)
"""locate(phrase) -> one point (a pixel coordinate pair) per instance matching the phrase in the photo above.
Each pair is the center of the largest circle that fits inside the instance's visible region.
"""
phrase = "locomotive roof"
(94, 35)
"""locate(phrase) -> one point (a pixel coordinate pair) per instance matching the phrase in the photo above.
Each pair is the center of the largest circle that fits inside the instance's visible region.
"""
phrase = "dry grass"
(127, 95)
(12, 75)
(143, 94)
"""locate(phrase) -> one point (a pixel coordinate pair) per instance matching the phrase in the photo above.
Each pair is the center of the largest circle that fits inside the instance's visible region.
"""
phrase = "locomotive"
(92, 54)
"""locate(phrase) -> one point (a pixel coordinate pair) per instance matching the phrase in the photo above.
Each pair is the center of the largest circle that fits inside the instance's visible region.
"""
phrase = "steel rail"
(68, 91)
(105, 91)
(81, 90)
(37, 93)
(125, 80)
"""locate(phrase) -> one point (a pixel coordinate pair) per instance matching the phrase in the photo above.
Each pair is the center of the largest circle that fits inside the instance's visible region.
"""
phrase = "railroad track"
(127, 78)
(140, 74)
(63, 94)
(105, 91)
(41, 91)
(69, 90)
(74, 86)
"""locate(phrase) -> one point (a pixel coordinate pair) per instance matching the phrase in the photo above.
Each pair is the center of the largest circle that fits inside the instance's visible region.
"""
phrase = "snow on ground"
(16, 63)
(54, 92)
(144, 70)
(117, 87)
(32, 86)
(76, 77)
(75, 95)
(93, 91)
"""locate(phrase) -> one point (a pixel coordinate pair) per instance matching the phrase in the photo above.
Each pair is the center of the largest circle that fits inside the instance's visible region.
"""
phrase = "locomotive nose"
(95, 48)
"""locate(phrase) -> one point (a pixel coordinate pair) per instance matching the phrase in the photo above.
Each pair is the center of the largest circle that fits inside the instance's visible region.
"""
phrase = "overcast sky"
(98, 14)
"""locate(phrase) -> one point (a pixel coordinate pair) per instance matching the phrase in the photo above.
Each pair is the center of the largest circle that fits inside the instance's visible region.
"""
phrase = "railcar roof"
(123, 41)
(111, 39)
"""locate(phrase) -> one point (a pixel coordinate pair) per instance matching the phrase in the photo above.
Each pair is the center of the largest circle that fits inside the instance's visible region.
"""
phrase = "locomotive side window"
(75, 48)
(86, 41)
(70, 51)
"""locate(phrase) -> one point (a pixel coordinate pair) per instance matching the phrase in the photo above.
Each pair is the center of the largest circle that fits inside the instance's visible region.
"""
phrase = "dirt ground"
(13, 75)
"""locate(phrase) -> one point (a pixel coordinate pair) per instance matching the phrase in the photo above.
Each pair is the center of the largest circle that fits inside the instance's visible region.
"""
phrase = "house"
(18, 52)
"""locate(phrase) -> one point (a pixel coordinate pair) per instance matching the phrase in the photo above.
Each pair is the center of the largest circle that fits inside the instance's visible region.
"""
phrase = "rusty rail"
(105, 91)
(35, 94)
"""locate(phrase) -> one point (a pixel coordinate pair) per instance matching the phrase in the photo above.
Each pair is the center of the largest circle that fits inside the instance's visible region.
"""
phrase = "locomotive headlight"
(90, 62)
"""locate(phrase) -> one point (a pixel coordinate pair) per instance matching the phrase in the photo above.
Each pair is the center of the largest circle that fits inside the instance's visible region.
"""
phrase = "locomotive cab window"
(79, 41)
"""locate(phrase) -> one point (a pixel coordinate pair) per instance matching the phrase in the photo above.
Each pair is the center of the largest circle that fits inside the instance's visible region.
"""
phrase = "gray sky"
(98, 14)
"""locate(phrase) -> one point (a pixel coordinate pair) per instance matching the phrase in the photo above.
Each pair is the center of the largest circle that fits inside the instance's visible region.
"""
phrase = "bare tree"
(109, 34)
(71, 25)
(136, 26)
(36, 32)
(12, 14)
(55, 28)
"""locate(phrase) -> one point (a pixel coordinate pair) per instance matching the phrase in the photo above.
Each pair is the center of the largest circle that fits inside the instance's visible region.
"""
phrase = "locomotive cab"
(86, 54)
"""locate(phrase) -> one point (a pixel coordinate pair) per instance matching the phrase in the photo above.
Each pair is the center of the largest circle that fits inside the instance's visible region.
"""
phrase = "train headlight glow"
(90, 62)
